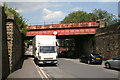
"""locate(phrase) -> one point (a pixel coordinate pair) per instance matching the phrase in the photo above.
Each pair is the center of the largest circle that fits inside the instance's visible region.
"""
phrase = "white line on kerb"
(38, 70)
(41, 72)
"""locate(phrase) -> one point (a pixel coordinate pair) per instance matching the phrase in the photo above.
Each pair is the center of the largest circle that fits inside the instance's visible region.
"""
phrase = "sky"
(48, 12)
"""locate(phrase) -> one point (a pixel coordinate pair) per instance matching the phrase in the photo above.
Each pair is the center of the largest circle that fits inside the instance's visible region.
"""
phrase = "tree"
(82, 16)
(102, 14)
(79, 16)
(20, 21)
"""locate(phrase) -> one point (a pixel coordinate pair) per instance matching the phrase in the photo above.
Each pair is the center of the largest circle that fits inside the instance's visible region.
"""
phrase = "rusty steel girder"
(62, 32)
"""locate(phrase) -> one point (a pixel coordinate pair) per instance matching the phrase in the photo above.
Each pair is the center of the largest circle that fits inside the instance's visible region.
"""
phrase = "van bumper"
(47, 61)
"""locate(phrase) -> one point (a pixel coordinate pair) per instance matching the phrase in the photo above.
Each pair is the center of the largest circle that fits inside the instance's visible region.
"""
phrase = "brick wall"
(14, 41)
(4, 62)
(108, 41)
(1, 42)
(11, 44)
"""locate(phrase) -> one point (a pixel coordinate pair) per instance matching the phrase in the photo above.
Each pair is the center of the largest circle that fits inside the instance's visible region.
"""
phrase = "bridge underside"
(83, 44)
(74, 31)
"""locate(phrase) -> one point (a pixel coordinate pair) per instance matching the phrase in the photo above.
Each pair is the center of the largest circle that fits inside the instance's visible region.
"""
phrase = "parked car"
(113, 63)
(91, 58)
(62, 54)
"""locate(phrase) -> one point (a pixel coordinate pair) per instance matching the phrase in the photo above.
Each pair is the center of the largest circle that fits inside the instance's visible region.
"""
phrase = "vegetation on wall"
(20, 21)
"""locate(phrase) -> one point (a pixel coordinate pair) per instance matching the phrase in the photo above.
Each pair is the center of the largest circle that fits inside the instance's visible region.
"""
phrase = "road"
(72, 68)
(66, 69)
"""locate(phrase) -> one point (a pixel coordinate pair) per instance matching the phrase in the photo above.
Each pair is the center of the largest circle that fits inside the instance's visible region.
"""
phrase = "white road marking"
(38, 71)
(45, 75)
(41, 73)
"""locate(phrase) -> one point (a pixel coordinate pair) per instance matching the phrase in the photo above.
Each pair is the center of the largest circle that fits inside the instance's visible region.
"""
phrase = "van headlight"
(55, 61)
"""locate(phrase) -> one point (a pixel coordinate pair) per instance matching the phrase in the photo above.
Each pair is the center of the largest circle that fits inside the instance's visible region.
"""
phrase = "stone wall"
(11, 44)
(4, 62)
(1, 24)
(14, 40)
(108, 41)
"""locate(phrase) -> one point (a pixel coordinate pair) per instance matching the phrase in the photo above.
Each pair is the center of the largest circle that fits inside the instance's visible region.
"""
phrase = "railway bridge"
(63, 29)
(81, 33)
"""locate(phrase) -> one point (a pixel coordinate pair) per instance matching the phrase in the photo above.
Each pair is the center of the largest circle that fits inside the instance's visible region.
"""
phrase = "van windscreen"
(47, 49)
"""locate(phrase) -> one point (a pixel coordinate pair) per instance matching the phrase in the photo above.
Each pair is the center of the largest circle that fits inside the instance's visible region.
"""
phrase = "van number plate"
(48, 62)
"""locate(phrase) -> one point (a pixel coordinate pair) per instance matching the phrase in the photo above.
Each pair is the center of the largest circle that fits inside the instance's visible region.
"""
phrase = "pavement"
(26, 68)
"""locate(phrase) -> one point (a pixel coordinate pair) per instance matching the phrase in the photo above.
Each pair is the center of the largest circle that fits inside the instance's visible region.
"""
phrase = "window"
(47, 49)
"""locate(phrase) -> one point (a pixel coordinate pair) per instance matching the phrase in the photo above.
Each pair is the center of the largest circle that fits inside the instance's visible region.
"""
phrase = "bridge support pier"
(84, 44)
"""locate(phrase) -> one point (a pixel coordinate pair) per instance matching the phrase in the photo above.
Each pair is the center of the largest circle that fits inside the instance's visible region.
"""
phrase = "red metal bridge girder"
(63, 32)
